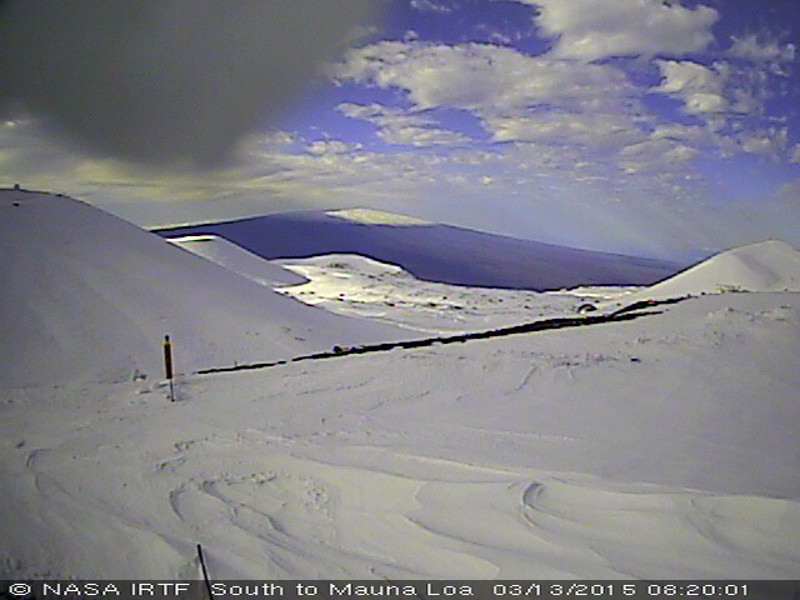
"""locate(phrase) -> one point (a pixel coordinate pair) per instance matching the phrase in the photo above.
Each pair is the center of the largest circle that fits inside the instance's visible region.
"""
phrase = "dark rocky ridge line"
(627, 313)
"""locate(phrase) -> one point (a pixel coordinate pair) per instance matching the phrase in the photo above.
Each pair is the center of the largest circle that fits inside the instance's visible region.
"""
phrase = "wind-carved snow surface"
(662, 447)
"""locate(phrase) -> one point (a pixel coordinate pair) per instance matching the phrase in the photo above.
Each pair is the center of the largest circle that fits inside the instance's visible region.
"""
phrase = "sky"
(660, 128)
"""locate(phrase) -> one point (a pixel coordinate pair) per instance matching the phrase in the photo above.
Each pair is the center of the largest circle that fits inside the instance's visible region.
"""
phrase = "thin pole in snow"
(168, 367)
(205, 572)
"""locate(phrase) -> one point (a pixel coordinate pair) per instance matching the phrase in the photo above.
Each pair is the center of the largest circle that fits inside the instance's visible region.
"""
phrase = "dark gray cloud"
(164, 82)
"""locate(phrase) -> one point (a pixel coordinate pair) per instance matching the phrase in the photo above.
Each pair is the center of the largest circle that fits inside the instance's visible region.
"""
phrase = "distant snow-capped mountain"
(431, 251)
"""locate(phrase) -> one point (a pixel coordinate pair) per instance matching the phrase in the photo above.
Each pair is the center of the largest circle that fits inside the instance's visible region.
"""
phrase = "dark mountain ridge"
(435, 252)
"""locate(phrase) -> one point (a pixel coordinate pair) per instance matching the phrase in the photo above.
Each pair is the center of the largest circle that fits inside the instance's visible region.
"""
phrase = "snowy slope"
(771, 266)
(599, 452)
(88, 296)
(238, 260)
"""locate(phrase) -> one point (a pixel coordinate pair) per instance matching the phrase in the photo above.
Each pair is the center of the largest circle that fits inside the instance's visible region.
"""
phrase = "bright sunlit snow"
(660, 447)
(369, 216)
(356, 285)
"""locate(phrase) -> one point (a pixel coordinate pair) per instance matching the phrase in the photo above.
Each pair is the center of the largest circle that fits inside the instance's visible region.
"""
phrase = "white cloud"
(397, 126)
(590, 30)
(479, 77)
(756, 49)
(768, 142)
(701, 88)
(698, 135)
(794, 156)
(516, 96)
(267, 142)
(579, 122)
(731, 98)
(331, 146)
(655, 154)
(422, 136)
(431, 6)
(589, 130)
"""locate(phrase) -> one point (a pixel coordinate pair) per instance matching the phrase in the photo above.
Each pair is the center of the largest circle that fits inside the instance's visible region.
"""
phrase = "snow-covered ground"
(353, 285)
(662, 447)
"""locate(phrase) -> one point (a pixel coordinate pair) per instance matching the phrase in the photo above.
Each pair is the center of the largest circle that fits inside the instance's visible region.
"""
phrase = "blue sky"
(664, 128)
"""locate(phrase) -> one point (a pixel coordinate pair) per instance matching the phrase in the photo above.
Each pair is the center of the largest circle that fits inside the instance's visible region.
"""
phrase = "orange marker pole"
(168, 366)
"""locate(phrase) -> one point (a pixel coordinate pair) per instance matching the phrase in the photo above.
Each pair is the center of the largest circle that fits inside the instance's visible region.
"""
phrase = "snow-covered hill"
(431, 251)
(237, 259)
(88, 296)
(771, 266)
